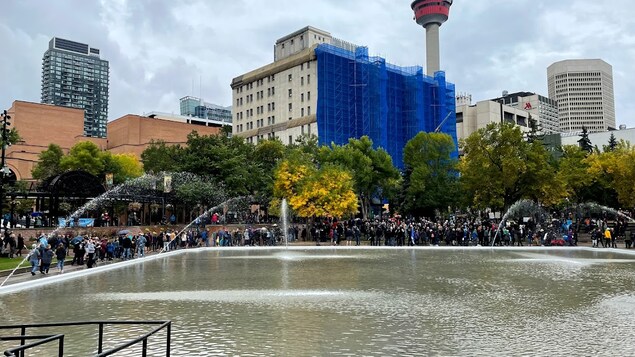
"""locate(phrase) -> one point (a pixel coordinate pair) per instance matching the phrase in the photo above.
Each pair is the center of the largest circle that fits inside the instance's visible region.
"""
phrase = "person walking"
(47, 258)
(34, 258)
(90, 252)
(607, 238)
(60, 253)
(141, 246)
(20, 245)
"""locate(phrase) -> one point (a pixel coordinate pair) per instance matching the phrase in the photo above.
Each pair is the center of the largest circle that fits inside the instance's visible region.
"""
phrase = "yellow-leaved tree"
(615, 168)
(312, 192)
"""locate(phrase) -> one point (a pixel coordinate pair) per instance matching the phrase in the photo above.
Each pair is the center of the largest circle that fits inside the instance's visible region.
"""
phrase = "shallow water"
(351, 302)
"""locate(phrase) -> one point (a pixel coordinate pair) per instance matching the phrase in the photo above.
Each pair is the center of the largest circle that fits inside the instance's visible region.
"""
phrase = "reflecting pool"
(352, 302)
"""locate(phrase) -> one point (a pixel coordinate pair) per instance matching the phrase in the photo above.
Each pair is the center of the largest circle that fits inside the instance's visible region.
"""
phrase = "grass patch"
(10, 264)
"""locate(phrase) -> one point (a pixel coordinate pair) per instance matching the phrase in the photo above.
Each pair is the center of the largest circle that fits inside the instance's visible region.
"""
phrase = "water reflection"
(347, 302)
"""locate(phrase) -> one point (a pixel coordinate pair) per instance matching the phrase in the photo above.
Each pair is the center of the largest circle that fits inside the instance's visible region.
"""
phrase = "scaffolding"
(362, 95)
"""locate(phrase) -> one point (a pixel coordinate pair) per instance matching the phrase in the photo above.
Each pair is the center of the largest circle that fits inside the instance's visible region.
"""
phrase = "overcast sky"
(159, 49)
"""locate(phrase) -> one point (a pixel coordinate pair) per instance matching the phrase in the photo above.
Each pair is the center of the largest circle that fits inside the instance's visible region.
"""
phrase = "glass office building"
(74, 75)
(196, 107)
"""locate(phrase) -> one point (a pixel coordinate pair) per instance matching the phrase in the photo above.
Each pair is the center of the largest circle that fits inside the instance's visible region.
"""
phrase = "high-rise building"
(584, 92)
(74, 76)
(333, 89)
(197, 108)
(542, 109)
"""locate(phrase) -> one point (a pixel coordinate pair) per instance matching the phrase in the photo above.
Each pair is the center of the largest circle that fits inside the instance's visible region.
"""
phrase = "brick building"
(42, 124)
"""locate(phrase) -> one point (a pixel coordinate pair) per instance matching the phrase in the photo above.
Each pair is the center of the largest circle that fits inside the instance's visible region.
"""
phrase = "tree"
(160, 157)
(122, 166)
(585, 142)
(612, 145)
(431, 180)
(312, 192)
(573, 169)
(499, 168)
(48, 164)
(615, 170)
(373, 172)
(534, 130)
(85, 156)
(226, 160)
(267, 155)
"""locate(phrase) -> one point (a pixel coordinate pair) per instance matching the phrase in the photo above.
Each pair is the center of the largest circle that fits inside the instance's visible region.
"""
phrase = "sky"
(162, 50)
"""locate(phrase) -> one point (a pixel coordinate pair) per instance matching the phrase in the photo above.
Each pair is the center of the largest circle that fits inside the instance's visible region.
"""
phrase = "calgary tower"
(431, 14)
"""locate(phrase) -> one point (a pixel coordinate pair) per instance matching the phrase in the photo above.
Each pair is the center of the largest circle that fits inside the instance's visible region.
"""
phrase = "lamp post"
(4, 171)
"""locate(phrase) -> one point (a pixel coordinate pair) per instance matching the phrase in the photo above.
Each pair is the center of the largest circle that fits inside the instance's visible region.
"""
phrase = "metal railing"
(43, 339)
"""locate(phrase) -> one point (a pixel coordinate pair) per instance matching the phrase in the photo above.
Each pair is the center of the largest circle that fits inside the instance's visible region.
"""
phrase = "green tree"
(535, 130)
(612, 145)
(160, 157)
(573, 169)
(615, 171)
(267, 155)
(585, 142)
(85, 156)
(374, 174)
(223, 159)
(48, 164)
(499, 167)
(431, 180)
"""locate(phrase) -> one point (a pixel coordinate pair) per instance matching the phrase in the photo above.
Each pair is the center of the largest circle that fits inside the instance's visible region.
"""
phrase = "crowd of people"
(456, 231)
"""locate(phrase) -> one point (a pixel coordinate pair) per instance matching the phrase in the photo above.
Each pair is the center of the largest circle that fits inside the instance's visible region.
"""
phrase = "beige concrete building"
(279, 100)
(471, 118)
(584, 92)
(542, 109)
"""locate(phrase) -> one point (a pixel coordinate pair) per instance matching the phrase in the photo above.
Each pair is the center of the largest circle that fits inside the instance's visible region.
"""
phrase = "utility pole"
(4, 171)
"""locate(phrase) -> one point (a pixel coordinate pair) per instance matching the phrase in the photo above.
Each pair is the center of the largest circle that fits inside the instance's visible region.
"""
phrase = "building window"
(290, 106)
(290, 77)
(301, 112)
(302, 97)
(302, 66)
(308, 65)
(290, 93)
(308, 79)
(301, 81)
(290, 139)
(273, 119)
(308, 110)
(308, 95)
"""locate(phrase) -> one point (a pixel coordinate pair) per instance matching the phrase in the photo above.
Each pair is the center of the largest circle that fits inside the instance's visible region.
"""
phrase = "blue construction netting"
(360, 95)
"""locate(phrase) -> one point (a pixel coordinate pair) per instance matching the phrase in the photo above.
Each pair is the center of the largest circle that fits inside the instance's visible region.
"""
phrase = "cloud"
(161, 50)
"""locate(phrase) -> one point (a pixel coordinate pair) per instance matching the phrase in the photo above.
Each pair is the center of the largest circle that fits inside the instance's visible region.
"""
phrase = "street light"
(4, 170)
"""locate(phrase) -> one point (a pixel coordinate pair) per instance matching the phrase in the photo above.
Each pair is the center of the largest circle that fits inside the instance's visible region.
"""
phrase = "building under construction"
(331, 88)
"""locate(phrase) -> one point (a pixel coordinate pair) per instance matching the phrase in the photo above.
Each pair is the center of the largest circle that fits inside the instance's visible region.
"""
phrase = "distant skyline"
(159, 50)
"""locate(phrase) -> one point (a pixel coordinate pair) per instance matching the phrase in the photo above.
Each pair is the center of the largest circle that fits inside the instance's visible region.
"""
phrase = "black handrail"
(49, 338)
(20, 349)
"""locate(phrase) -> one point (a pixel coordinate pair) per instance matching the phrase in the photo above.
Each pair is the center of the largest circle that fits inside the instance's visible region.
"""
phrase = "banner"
(82, 222)
(109, 180)
(167, 184)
